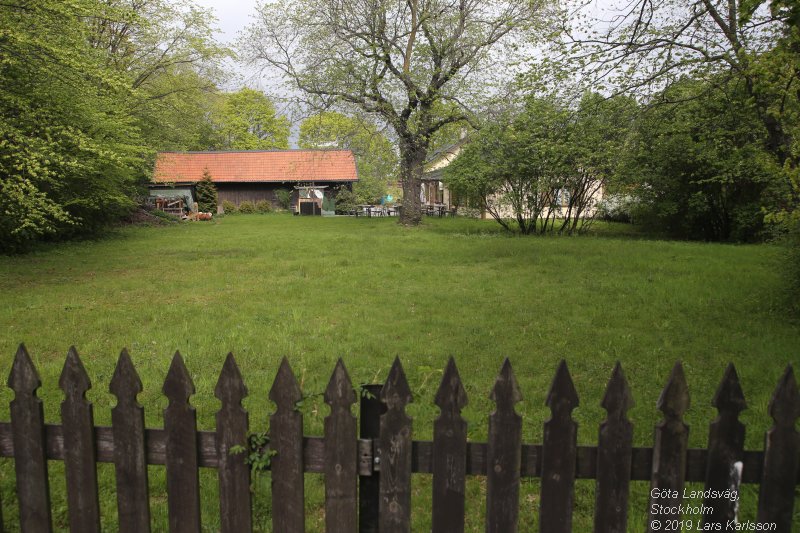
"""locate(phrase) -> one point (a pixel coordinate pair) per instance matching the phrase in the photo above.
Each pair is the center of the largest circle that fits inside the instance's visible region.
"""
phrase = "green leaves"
(375, 157)
(89, 90)
(248, 121)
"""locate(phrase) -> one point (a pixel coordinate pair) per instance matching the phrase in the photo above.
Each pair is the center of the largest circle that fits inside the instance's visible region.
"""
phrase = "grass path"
(315, 289)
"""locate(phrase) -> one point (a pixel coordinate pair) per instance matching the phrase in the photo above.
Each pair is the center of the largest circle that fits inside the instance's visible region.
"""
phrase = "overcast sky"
(232, 16)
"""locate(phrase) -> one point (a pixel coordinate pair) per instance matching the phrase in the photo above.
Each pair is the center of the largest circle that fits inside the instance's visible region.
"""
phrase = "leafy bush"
(247, 207)
(229, 207)
(264, 206)
(284, 198)
(346, 201)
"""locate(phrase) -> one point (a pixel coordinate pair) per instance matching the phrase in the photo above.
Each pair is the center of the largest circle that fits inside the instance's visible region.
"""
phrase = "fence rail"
(372, 470)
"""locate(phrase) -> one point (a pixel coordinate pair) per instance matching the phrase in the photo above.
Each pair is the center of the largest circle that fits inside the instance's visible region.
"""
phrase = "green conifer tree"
(206, 193)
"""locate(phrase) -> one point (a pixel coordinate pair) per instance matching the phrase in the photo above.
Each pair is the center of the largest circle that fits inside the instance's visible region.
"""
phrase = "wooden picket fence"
(368, 476)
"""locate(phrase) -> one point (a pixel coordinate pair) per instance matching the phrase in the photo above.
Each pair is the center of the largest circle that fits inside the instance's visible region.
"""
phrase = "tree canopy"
(376, 159)
(401, 60)
(81, 83)
(247, 120)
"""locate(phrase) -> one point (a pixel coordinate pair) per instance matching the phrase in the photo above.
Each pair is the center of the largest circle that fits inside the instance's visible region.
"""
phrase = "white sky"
(232, 16)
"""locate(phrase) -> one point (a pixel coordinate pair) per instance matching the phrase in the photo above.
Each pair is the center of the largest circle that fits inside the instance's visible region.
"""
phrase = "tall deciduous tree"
(166, 52)
(248, 120)
(375, 158)
(69, 156)
(402, 60)
(649, 45)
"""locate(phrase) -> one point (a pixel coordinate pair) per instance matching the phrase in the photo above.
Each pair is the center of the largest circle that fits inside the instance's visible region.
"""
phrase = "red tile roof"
(256, 166)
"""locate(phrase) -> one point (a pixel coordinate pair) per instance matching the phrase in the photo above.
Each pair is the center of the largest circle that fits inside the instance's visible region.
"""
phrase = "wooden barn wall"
(236, 193)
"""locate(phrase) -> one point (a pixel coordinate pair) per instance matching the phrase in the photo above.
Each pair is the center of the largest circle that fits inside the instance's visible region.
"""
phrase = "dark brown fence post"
(504, 455)
(614, 449)
(79, 453)
(781, 451)
(558, 455)
(725, 448)
(130, 461)
(286, 440)
(180, 426)
(669, 450)
(369, 496)
(341, 455)
(395, 454)
(233, 473)
(449, 453)
(30, 459)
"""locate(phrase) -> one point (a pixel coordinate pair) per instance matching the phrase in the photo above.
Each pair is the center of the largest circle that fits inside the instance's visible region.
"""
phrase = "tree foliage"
(647, 47)
(206, 193)
(81, 83)
(247, 120)
(68, 157)
(541, 169)
(401, 60)
(376, 160)
(700, 169)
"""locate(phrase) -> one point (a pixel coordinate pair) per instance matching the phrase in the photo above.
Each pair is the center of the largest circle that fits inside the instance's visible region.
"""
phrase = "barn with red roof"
(256, 175)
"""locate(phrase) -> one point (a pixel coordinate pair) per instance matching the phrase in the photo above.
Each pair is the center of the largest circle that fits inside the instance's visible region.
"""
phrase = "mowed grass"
(367, 290)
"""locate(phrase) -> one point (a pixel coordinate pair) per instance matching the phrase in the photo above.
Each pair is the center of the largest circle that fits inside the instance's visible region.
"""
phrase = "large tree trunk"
(412, 161)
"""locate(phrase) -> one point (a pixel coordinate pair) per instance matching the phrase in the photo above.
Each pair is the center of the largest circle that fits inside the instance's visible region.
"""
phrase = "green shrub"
(229, 207)
(284, 198)
(346, 201)
(264, 206)
(247, 207)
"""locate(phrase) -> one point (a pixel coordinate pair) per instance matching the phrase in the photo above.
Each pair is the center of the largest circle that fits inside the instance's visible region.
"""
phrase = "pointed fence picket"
(504, 455)
(368, 477)
(183, 474)
(449, 454)
(725, 448)
(669, 451)
(558, 455)
(614, 457)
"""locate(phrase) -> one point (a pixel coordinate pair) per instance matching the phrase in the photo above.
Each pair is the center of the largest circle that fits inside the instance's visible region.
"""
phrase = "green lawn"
(368, 290)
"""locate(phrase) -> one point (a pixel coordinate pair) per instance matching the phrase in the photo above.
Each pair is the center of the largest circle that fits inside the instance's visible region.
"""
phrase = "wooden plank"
(30, 462)
(235, 500)
(725, 447)
(776, 497)
(180, 426)
(669, 451)
(614, 456)
(421, 455)
(503, 455)
(369, 490)
(558, 455)
(394, 452)
(79, 454)
(449, 453)
(130, 463)
(341, 455)
(286, 441)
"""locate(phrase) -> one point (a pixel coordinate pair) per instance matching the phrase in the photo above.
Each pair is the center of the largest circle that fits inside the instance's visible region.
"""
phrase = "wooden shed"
(256, 175)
